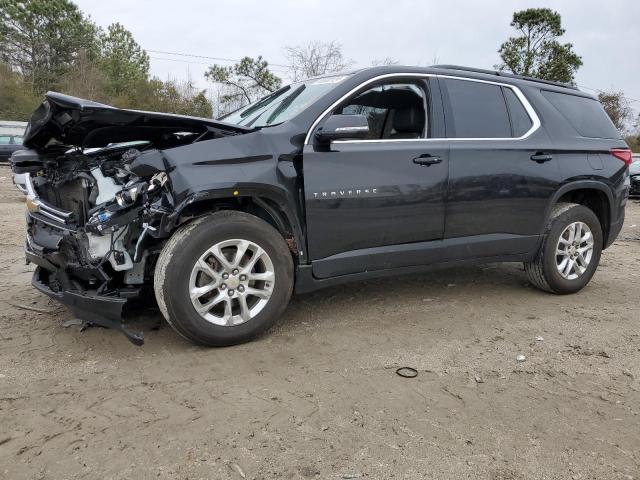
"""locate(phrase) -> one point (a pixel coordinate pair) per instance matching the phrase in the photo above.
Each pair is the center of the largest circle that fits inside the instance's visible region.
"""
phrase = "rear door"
(502, 172)
(374, 204)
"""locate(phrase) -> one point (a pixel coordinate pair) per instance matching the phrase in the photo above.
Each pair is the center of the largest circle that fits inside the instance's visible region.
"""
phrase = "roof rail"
(504, 74)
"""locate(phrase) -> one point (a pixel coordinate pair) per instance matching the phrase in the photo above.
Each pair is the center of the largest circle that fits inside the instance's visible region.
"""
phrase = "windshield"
(283, 104)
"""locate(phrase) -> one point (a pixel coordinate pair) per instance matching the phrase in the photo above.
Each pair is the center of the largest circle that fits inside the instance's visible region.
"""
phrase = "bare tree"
(380, 62)
(617, 107)
(315, 58)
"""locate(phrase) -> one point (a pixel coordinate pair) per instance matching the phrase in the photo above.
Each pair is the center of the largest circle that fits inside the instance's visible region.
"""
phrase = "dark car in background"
(346, 177)
(9, 143)
(634, 172)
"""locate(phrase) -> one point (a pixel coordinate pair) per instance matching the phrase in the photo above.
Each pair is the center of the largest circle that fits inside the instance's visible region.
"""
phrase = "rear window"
(478, 110)
(584, 114)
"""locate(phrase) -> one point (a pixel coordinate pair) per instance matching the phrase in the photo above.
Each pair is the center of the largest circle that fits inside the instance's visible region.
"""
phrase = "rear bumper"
(619, 203)
(614, 230)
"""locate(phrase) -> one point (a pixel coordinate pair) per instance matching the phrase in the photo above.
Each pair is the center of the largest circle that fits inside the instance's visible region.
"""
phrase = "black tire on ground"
(542, 271)
(179, 255)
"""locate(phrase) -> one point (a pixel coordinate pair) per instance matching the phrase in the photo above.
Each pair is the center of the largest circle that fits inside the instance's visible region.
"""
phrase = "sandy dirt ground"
(318, 397)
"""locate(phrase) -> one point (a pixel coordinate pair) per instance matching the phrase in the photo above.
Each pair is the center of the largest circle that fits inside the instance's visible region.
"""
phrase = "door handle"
(427, 159)
(541, 157)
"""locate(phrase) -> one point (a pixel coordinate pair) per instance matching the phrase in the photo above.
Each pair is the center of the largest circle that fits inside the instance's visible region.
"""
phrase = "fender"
(257, 192)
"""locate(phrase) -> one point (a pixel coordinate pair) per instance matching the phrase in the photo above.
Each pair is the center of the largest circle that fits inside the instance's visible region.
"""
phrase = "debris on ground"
(407, 372)
(237, 468)
(31, 309)
(521, 358)
(72, 322)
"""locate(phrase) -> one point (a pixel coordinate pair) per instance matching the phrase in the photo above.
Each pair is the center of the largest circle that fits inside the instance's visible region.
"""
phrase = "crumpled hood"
(83, 123)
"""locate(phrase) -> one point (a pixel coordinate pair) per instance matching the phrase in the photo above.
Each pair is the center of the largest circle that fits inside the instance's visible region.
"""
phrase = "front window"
(393, 110)
(283, 104)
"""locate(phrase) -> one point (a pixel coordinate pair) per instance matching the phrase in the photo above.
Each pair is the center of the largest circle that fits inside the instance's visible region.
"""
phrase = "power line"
(193, 62)
(181, 61)
(218, 59)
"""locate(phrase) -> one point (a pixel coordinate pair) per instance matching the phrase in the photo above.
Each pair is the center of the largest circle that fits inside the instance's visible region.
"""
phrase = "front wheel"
(570, 251)
(224, 278)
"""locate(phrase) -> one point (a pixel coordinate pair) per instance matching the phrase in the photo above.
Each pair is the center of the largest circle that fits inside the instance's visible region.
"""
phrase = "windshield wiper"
(259, 104)
(285, 103)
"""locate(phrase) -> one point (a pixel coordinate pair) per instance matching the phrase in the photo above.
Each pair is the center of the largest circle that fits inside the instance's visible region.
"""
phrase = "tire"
(177, 267)
(543, 271)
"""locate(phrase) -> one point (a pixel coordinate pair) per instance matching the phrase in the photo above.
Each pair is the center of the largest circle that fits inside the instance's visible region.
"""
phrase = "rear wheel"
(570, 252)
(224, 278)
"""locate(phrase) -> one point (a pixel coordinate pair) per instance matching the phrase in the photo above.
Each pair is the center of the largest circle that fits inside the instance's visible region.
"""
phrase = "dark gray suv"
(377, 172)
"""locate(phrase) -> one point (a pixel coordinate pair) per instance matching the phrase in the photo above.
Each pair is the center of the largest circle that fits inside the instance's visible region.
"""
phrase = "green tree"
(123, 62)
(17, 100)
(536, 52)
(246, 81)
(171, 97)
(42, 38)
(86, 80)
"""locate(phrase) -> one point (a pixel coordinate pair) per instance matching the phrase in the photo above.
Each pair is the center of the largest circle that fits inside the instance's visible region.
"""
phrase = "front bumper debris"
(93, 309)
(57, 279)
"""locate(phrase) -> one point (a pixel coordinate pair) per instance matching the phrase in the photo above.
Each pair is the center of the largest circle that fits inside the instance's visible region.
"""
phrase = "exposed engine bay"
(98, 190)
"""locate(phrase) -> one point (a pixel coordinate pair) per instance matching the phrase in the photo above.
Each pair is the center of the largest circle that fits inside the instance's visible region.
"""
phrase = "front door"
(372, 204)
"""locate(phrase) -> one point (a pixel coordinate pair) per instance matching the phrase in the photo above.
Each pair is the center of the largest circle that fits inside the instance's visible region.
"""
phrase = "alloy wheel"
(574, 250)
(231, 282)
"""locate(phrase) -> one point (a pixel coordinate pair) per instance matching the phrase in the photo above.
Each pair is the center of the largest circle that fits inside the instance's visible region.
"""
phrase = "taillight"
(623, 154)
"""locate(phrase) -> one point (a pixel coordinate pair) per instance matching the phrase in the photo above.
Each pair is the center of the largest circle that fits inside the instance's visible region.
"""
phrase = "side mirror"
(343, 127)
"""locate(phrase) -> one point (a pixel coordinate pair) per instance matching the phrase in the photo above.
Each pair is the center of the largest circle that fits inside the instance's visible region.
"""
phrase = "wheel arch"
(594, 195)
(264, 204)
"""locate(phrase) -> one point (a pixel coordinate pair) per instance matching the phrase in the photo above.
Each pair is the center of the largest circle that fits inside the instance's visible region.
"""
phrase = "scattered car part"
(407, 372)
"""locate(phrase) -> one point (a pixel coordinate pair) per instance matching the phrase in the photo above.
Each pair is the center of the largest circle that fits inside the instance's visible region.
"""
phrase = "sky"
(605, 33)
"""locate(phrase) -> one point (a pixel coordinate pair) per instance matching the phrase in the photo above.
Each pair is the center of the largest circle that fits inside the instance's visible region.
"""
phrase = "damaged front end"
(98, 209)
(92, 227)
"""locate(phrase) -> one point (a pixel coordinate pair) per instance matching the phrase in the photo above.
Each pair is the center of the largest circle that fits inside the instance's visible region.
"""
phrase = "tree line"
(51, 45)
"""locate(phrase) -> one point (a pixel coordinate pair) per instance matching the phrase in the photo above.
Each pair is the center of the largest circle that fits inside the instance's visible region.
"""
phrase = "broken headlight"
(129, 195)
